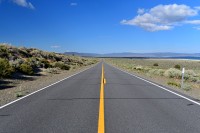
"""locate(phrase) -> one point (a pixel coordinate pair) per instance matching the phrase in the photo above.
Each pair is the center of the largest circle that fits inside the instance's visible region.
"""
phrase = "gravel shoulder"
(11, 89)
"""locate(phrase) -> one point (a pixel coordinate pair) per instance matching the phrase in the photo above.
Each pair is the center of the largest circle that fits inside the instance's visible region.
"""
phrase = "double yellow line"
(101, 123)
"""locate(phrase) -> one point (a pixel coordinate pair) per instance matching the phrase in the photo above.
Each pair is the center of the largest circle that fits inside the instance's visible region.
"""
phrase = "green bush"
(187, 87)
(190, 75)
(16, 63)
(191, 72)
(173, 73)
(138, 68)
(61, 66)
(24, 53)
(155, 64)
(177, 66)
(5, 68)
(19, 94)
(45, 63)
(194, 79)
(174, 84)
(4, 53)
(26, 69)
(158, 72)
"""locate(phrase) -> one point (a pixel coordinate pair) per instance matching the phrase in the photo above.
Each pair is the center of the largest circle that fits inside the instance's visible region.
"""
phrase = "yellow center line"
(101, 124)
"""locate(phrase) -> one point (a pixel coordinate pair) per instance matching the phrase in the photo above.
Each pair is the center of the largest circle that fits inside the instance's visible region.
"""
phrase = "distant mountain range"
(129, 54)
(83, 54)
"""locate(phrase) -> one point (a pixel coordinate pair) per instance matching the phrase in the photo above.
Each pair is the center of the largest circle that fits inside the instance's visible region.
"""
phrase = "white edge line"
(3, 106)
(157, 85)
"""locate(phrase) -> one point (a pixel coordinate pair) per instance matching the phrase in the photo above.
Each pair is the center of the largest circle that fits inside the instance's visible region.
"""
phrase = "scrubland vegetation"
(24, 70)
(165, 71)
(28, 60)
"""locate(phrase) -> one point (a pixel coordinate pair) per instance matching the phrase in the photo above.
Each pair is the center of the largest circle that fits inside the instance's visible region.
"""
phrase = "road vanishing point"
(102, 99)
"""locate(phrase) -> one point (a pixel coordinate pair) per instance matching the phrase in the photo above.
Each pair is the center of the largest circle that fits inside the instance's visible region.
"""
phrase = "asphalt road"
(135, 106)
(72, 106)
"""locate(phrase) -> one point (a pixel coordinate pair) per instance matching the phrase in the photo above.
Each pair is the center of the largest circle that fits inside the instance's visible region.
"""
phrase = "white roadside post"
(183, 71)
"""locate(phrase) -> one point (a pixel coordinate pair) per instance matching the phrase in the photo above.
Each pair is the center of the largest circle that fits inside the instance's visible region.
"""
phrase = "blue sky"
(102, 26)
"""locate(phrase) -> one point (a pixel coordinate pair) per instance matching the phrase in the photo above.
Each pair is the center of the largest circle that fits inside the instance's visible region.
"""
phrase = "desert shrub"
(16, 63)
(11, 57)
(83, 60)
(138, 68)
(24, 53)
(193, 79)
(52, 56)
(38, 64)
(152, 71)
(190, 72)
(158, 72)
(36, 53)
(45, 63)
(74, 67)
(172, 83)
(19, 94)
(177, 66)
(58, 58)
(3, 51)
(155, 64)
(173, 73)
(33, 62)
(128, 66)
(5, 68)
(190, 75)
(146, 69)
(26, 69)
(62, 66)
(52, 70)
(187, 87)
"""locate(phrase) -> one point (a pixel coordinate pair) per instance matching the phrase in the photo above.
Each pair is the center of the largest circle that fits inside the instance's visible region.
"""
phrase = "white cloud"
(141, 11)
(73, 4)
(193, 22)
(197, 7)
(24, 3)
(163, 17)
(55, 46)
(197, 28)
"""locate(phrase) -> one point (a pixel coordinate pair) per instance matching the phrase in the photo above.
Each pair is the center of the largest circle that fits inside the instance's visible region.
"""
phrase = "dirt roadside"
(12, 89)
(163, 81)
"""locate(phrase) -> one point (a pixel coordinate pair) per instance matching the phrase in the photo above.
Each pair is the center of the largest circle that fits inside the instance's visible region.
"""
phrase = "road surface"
(131, 105)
